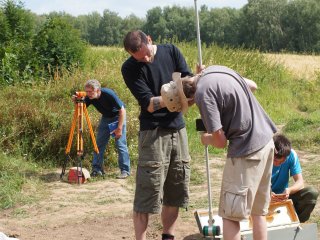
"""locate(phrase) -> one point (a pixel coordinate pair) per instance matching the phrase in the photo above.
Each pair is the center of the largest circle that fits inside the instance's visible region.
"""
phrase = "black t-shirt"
(145, 80)
(108, 104)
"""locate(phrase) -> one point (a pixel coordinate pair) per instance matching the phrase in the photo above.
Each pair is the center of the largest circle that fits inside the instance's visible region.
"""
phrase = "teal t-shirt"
(280, 174)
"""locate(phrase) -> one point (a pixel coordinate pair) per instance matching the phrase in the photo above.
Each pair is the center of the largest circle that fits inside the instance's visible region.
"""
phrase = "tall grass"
(15, 175)
(35, 120)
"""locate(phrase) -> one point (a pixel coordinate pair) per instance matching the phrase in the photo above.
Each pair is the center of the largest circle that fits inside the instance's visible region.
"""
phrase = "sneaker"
(96, 173)
(167, 236)
(123, 175)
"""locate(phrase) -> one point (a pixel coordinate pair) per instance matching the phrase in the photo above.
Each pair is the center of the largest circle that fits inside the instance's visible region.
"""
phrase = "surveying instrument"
(79, 111)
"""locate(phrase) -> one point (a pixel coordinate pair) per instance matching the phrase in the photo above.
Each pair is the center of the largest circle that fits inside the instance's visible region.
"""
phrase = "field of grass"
(35, 119)
(305, 67)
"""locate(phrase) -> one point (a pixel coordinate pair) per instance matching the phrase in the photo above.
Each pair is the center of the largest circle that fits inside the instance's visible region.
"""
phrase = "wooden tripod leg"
(80, 129)
(73, 126)
(80, 141)
(90, 129)
(79, 169)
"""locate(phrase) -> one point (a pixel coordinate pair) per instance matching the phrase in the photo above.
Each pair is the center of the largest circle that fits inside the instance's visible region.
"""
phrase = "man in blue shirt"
(286, 164)
(113, 110)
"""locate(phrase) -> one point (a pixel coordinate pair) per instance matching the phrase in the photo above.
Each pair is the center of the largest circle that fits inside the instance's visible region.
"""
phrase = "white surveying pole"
(198, 34)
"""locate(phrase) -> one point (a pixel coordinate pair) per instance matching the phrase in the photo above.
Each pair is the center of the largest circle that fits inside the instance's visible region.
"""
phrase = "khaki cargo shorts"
(163, 171)
(246, 185)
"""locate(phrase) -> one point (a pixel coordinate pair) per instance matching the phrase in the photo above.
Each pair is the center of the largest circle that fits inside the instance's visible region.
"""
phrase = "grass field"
(302, 66)
(35, 119)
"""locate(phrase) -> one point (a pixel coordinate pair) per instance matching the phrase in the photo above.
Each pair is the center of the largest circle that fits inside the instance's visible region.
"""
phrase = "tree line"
(267, 25)
(42, 46)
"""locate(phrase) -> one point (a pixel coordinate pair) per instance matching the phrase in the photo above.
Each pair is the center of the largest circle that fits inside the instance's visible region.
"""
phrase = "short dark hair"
(282, 145)
(133, 41)
(189, 87)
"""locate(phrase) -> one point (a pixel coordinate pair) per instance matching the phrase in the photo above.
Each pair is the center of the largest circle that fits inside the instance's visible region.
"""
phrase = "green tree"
(93, 22)
(62, 15)
(4, 26)
(180, 23)
(156, 24)
(4, 35)
(20, 21)
(39, 20)
(110, 28)
(17, 29)
(220, 26)
(302, 25)
(262, 24)
(171, 23)
(131, 22)
(81, 24)
(58, 46)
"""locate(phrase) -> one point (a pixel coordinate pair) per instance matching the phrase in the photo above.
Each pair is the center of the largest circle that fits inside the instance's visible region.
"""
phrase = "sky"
(122, 7)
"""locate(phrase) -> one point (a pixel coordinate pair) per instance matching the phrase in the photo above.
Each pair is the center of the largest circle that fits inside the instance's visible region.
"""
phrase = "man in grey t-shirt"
(230, 112)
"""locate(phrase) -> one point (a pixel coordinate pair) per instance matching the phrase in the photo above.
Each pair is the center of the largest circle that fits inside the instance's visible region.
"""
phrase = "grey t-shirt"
(225, 101)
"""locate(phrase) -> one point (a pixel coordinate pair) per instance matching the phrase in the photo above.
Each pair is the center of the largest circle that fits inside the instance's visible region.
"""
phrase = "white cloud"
(122, 7)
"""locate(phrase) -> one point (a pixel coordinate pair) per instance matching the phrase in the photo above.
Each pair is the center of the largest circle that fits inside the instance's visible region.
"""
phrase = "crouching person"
(285, 164)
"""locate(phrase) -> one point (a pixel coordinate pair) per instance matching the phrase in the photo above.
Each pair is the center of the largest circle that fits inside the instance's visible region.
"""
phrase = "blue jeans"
(121, 146)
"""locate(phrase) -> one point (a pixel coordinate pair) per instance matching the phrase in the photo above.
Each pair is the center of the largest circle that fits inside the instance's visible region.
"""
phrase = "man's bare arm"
(252, 85)
(216, 139)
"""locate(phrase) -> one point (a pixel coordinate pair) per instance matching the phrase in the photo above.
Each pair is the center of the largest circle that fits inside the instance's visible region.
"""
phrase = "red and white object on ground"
(75, 175)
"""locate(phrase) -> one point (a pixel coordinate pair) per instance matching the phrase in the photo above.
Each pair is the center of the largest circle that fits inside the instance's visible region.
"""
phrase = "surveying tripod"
(80, 110)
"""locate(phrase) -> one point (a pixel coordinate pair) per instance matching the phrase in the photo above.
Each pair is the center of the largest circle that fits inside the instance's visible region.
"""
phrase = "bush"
(26, 56)
(58, 46)
(17, 29)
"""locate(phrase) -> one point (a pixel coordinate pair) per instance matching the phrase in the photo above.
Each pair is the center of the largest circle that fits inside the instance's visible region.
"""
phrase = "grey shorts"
(163, 171)
(246, 185)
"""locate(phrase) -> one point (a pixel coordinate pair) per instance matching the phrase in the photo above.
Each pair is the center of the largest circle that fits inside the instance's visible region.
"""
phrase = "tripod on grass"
(80, 110)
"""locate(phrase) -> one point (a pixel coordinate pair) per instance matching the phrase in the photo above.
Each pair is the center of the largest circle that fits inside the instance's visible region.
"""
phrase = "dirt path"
(100, 210)
(94, 210)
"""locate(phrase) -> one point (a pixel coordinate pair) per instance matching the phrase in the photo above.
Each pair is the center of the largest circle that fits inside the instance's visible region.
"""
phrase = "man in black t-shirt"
(163, 171)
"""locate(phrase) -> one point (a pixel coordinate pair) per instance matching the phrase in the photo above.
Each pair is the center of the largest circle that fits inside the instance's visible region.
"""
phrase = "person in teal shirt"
(286, 164)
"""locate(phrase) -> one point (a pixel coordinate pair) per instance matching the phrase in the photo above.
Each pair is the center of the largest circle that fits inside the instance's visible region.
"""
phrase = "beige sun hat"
(173, 95)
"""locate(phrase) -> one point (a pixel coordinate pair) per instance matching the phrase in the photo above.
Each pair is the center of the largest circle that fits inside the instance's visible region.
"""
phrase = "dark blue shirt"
(145, 80)
(108, 104)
